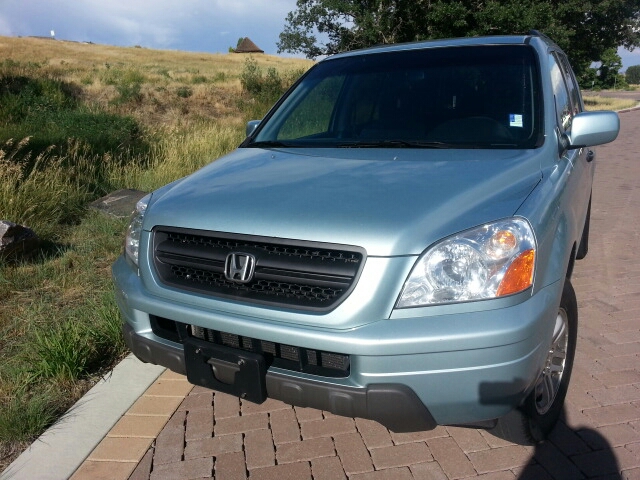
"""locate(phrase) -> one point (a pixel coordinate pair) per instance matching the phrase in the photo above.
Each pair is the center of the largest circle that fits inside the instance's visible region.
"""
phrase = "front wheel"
(544, 404)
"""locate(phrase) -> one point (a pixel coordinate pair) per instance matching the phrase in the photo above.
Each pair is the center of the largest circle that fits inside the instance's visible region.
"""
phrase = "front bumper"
(411, 373)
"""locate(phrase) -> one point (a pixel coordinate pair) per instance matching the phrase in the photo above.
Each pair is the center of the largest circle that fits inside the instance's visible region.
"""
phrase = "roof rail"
(538, 33)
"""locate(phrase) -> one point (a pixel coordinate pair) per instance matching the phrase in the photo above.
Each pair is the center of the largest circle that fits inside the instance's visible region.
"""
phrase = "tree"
(609, 66)
(633, 75)
(584, 29)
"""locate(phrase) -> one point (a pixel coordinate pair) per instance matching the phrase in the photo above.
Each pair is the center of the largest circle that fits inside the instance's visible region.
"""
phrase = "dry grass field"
(175, 86)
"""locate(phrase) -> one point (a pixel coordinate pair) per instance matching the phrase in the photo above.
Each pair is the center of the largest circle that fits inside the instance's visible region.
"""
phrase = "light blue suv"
(393, 241)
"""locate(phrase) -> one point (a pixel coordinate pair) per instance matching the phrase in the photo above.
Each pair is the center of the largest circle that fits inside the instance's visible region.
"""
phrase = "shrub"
(184, 92)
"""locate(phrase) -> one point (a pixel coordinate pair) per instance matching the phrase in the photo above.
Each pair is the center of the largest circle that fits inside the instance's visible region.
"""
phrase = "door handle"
(591, 155)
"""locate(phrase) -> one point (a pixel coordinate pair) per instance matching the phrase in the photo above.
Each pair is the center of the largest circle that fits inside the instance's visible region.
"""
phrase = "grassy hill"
(77, 121)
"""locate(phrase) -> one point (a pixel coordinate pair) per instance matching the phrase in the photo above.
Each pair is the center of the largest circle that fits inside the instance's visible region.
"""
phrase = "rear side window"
(466, 97)
(565, 90)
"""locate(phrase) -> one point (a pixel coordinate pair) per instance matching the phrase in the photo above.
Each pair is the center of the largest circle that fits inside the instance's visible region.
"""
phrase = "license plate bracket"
(226, 369)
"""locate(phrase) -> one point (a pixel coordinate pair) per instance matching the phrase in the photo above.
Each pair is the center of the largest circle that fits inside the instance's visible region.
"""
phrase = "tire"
(544, 404)
(583, 248)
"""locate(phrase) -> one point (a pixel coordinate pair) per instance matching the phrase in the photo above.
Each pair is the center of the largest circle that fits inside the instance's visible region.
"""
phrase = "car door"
(578, 164)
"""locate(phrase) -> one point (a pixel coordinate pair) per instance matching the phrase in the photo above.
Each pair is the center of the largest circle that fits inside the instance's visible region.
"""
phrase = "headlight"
(490, 261)
(132, 239)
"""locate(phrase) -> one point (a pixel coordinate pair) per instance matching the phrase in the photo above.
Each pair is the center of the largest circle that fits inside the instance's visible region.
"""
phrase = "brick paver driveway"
(599, 436)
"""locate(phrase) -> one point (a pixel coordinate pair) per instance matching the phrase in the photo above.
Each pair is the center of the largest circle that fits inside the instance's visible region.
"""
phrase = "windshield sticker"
(515, 120)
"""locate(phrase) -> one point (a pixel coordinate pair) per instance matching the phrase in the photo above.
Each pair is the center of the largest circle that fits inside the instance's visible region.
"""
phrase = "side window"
(564, 110)
(570, 79)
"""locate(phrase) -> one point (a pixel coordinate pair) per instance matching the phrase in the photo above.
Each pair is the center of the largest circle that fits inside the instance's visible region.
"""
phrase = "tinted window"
(473, 97)
(564, 108)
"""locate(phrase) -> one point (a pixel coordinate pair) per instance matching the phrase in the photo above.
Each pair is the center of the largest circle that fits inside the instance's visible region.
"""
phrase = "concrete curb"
(58, 452)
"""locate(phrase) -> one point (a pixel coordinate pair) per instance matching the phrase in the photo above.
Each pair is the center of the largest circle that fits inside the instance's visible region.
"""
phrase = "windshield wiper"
(270, 144)
(395, 144)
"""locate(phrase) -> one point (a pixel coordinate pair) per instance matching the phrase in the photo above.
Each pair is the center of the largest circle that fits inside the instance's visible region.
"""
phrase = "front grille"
(299, 275)
(288, 357)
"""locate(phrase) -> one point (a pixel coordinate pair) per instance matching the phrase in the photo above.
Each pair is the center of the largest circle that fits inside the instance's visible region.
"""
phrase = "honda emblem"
(239, 267)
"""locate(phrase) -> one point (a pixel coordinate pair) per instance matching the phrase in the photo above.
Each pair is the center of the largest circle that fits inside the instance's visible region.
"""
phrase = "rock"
(16, 241)
(120, 203)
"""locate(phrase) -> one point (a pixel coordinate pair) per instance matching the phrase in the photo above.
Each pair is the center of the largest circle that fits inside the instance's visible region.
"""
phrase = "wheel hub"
(550, 379)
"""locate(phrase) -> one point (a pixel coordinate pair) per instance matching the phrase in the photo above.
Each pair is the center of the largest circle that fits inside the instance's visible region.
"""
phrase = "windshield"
(453, 97)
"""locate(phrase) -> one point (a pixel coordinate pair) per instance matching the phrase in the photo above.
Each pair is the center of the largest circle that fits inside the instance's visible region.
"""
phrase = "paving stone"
(628, 456)
(612, 414)
(503, 458)
(211, 447)
(138, 426)
(327, 468)
(128, 449)
(199, 423)
(93, 470)
(535, 472)
(421, 436)
(169, 447)
(621, 377)
(230, 466)
(305, 450)
(143, 469)
(225, 405)
(353, 454)
(468, 439)
(402, 473)
(631, 474)
(613, 395)
(290, 471)
(598, 463)
(284, 426)
(193, 468)
(259, 449)
(373, 434)
(567, 440)
(327, 427)
(308, 414)
(400, 455)
(197, 401)
(147, 405)
(269, 405)
(555, 462)
(169, 388)
(503, 475)
(451, 457)
(228, 425)
(610, 436)
(427, 471)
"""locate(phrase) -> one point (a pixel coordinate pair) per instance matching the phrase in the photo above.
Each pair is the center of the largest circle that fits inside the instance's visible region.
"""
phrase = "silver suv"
(394, 241)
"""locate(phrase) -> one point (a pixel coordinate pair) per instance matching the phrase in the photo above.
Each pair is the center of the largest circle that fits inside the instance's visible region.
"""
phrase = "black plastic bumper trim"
(395, 406)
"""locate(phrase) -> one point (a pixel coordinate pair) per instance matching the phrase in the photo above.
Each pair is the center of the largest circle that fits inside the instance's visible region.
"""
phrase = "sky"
(191, 25)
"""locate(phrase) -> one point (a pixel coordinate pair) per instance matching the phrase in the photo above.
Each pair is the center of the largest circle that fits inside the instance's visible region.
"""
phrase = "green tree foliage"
(633, 75)
(610, 64)
(585, 29)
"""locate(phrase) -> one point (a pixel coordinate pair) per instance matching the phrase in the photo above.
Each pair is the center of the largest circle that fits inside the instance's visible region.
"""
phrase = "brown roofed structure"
(247, 46)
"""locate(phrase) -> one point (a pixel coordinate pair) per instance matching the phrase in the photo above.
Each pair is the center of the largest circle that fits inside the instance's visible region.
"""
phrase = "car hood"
(389, 201)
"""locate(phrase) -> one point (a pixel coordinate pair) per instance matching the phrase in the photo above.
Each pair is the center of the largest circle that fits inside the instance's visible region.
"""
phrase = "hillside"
(165, 86)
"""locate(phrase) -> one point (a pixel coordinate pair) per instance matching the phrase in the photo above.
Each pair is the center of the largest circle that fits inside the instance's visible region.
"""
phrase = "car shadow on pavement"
(568, 453)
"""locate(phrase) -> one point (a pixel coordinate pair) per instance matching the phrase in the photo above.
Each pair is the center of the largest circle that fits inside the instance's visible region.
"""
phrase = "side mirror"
(251, 126)
(593, 128)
